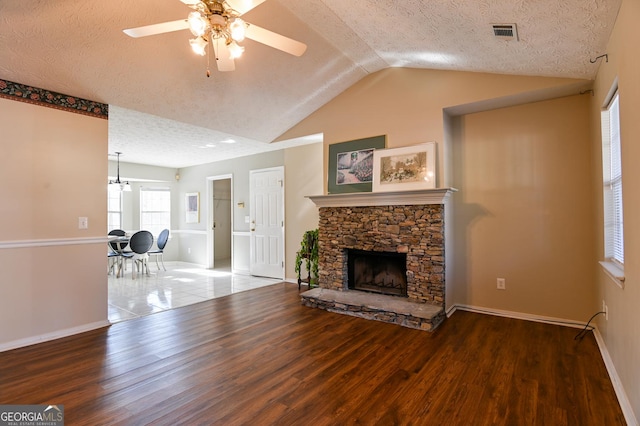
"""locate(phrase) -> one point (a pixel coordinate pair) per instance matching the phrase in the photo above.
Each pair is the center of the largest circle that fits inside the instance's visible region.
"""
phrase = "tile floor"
(180, 285)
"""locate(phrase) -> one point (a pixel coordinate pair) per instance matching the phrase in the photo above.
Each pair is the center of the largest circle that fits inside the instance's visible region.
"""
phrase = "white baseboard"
(516, 315)
(20, 343)
(623, 400)
(625, 404)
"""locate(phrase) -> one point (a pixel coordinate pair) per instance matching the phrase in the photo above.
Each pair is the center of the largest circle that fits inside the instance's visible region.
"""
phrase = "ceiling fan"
(218, 23)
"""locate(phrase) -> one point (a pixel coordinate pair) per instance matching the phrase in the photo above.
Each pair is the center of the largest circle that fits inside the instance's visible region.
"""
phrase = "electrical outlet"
(502, 285)
(605, 309)
(189, 250)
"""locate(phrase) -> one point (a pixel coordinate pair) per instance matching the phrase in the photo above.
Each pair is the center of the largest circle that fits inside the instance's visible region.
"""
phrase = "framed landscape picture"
(351, 164)
(406, 168)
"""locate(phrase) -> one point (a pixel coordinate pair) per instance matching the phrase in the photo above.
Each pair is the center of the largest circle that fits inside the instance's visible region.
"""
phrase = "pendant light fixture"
(117, 185)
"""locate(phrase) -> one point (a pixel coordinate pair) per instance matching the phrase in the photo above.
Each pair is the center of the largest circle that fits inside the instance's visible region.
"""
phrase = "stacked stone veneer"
(416, 230)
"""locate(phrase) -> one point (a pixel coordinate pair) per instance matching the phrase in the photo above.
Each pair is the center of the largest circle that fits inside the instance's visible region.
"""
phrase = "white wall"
(193, 236)
(303, 176)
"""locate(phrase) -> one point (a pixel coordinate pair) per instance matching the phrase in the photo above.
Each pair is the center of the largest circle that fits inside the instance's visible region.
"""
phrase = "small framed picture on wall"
(192, 202)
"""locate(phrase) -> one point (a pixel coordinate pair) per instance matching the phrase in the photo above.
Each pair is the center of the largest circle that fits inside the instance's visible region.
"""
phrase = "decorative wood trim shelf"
(393, 198)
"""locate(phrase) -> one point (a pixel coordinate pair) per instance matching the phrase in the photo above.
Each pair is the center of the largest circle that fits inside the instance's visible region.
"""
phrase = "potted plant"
(309, 253)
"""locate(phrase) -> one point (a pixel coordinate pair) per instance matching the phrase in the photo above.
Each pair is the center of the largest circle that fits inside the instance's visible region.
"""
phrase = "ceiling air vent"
(505, 31)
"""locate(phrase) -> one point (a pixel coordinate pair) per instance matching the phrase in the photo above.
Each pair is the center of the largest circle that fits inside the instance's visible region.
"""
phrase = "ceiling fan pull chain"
(208, 55)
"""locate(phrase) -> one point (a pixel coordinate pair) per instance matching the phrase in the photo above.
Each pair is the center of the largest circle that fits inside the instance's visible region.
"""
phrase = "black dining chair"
(163, 237)
(139, 243)
(115, 248)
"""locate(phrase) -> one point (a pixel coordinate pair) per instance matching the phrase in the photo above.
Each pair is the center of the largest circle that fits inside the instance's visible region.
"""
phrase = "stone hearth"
(410, 222)
(391, 309)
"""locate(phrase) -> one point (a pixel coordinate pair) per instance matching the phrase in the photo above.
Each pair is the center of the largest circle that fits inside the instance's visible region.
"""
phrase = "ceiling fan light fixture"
(237, 28)
(218, 23)
(197, 24)
(235, 50)
(198, 45)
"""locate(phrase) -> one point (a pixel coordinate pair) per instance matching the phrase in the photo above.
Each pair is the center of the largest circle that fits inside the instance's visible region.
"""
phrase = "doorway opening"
(220, 221)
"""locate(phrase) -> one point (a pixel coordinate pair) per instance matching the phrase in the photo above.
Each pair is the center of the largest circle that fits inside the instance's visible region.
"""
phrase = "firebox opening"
(378, 272)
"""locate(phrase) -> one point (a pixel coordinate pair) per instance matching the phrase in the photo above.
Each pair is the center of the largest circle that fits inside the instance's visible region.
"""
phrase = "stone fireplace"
(407, 225)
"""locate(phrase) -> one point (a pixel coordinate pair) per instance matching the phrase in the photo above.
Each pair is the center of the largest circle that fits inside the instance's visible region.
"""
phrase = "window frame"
(111, 227)
(612, 202)
(155, 230)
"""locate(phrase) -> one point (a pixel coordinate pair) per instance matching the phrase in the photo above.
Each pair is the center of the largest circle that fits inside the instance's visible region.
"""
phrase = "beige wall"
(303, 176)
(407, 105)
(621, 332)
(524, 210)
(53, 170)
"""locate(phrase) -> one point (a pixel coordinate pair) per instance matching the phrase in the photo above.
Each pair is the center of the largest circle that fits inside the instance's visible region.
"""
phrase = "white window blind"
(612, 182)
(155, 210)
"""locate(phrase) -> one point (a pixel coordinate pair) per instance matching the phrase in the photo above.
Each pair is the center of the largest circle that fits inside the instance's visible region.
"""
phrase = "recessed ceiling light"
(228, 141)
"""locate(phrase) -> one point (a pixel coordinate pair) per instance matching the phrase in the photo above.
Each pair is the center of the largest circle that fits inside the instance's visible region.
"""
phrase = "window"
(155, 210)
(612, 188)
(114, 210)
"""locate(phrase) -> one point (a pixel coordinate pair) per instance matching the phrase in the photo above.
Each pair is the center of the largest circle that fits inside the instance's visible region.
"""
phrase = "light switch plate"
(83, 223)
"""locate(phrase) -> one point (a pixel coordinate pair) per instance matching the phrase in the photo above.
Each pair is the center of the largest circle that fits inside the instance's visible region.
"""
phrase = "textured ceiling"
(165, 109)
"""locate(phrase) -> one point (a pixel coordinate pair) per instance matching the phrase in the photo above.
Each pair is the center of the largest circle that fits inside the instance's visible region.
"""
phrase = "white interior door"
(266, 211)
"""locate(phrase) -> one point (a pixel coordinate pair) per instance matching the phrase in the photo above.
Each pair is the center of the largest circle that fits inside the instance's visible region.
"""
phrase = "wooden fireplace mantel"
(392, 198)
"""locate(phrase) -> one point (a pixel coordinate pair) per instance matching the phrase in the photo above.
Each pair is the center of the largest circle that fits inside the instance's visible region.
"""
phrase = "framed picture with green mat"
(351, 164)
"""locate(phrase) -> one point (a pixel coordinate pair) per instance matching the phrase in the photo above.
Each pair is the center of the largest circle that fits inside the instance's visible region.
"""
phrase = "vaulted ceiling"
(165, 110)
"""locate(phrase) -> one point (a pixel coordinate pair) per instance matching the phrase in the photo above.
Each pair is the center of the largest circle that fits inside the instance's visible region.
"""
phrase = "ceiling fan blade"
(223, 56)
(242, 6)
(164, 27)
(275, 40)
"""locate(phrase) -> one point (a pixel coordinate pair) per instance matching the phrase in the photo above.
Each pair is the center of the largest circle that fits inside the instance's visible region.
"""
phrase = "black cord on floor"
(586, 328)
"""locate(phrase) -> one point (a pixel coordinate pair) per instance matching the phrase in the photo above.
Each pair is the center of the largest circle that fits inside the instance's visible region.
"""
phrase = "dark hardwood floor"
(260, 358)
